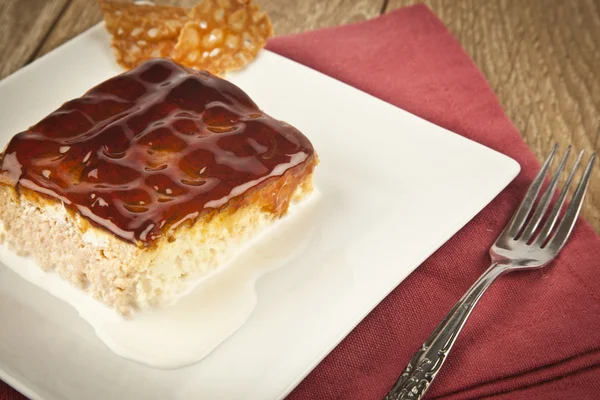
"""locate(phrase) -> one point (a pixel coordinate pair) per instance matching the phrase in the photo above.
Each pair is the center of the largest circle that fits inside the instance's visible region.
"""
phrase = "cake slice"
(148, 182)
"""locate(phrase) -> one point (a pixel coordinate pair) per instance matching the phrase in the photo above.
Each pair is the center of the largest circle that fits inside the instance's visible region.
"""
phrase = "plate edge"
(516, 169)
(17, 385)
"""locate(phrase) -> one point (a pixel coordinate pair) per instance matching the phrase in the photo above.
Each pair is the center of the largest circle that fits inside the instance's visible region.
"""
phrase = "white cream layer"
(187, 331)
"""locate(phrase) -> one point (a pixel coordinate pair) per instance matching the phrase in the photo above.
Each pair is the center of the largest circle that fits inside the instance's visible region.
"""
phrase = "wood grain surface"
(541, 57)
(24, 26)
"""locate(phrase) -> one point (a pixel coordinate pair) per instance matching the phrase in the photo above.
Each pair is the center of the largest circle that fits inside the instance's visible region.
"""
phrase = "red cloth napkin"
(534, 335)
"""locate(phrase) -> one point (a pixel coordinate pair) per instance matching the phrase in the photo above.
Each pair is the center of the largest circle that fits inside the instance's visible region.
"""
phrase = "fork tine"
(542, 206)
(520, 216)
(568, 222)
(549, 225)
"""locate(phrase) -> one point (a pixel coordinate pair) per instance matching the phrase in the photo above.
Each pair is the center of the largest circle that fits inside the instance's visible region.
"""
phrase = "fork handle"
(427, 362)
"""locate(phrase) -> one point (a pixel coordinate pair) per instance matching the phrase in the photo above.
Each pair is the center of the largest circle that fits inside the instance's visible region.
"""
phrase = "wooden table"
(541, 57)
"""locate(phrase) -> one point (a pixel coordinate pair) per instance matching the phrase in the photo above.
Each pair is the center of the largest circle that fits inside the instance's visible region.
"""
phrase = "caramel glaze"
(155, 147)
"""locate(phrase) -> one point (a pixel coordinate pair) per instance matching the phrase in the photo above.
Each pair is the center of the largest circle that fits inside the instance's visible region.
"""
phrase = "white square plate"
(386, 177)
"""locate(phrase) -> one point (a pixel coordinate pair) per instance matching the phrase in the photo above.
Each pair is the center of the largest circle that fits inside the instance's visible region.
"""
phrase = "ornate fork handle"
(426, 363)
(519, 247)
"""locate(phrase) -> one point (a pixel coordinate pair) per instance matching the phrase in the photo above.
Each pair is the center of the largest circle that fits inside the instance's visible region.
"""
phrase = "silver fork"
(520, 246)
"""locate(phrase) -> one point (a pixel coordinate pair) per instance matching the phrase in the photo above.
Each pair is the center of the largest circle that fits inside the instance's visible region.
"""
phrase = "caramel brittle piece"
(215, 35)
(140, 32)
(222, 35)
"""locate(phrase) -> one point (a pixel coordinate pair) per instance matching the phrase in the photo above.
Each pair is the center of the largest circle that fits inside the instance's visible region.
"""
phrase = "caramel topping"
(147, 150)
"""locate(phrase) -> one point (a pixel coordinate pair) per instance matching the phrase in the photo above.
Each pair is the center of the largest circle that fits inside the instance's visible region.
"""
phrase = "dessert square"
(148, 182)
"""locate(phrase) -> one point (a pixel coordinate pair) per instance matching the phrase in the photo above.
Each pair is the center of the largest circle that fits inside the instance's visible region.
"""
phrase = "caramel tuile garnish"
(215, 35)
